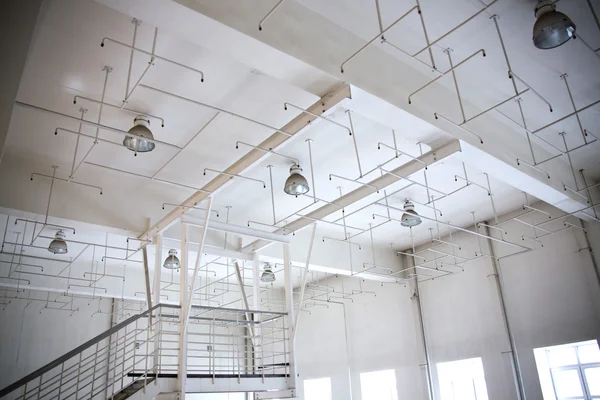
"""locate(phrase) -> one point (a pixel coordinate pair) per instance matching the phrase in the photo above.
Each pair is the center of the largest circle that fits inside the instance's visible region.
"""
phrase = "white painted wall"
(552, 296)
(31, 337)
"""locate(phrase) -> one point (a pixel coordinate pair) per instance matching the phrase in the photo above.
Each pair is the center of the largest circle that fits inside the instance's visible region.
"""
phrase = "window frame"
(579, 367)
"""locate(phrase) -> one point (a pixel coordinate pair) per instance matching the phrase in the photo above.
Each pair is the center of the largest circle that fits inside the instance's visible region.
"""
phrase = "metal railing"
(221, 343)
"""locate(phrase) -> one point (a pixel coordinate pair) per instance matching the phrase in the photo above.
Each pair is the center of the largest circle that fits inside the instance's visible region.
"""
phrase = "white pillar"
(289, 303)
(156, 294)
(183, 291)
(158, 260)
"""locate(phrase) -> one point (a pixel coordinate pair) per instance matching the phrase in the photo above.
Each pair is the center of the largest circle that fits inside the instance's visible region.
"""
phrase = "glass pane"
(317, 389)
(592, 376)
(589, 353)
(379, 385)
(567, 383)
(464, 390)
(561, 356)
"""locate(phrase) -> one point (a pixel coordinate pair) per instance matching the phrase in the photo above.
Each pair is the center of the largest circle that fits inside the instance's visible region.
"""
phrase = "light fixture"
(410, 217)
(171, 262)
(58, 245)
(551, 28)
(267, 275)
(140, 133)
(296, 184)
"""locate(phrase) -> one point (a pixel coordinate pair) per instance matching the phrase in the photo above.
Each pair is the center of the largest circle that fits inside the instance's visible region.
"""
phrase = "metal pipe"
(294, 160)
(343, 241)
(262, 21)
(455, 28)
(83, 111)
(411, 181)
(147, 177)
(355, 145)
(443, 74)
(575, 192)
(272, 193)
(512, 73)
(353, 180)
(66, 180)
(129, 110)
(462, 110)
(234, 176)
(456, 177)
(217, 109)
(154, 55)
(583, 132)
(136, 23)
(417, 296)
(496, 106)
(519, 162)
(100, 126)
(516, 369)
(438, 116)
(576, 112)
(451, 226)
(376, 37)
(425, 205)
(587, 188)
(426, 36)
(187, 207)
(285, 106)
(312, 172)
(400, 153)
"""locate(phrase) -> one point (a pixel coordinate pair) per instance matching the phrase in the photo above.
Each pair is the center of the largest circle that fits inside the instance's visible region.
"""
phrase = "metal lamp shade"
(410, 217)
(267, 275)
(552, 28)
(139, 133)
(172, 262)
(58, 245)
(296, 184)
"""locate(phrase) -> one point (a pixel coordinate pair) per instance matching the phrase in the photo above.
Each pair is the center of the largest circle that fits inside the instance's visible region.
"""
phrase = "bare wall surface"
(31, 336)
(552, 296)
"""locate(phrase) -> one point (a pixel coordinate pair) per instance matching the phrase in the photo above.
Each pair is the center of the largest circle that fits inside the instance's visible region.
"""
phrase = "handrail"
(67, 356)
(48, 367)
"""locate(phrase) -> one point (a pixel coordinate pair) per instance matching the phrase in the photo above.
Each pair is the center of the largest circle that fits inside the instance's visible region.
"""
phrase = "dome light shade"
(551, 28)
(139, 133)
(267, 275)
(296, 184)
(410, 217)
(171, 262)
(58, 245)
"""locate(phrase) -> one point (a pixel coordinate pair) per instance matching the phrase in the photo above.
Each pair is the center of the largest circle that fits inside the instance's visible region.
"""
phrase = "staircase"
(226, 350)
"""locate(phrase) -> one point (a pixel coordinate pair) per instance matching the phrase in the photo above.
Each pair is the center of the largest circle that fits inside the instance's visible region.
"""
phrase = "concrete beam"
(324, 104)
(366, 190)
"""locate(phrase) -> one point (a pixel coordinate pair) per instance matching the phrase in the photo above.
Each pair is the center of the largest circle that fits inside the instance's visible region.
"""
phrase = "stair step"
(132, 389)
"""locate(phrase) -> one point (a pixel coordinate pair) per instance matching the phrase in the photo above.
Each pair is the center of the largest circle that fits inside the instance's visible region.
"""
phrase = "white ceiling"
(250, 78)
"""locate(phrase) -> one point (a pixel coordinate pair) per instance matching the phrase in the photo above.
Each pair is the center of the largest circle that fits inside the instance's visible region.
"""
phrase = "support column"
(156, 295)
(289, 303)
(417, 296)
(183, 292)
(516, 369)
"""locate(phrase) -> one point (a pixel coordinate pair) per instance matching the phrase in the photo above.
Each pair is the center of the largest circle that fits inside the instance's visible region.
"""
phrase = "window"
(378, 385)
(317, 389)
(462, 380)
(569, 371)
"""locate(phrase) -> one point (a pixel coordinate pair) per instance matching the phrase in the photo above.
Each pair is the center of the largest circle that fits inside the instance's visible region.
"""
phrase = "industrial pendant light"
(267, 275)
(58, 245)
(551, 28)
(296, 184)
(139, 134)
(171, 262)
(410, 217)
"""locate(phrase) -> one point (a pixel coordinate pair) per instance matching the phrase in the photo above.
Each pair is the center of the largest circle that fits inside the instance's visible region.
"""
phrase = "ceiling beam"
(366, 190)
(323, 105)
